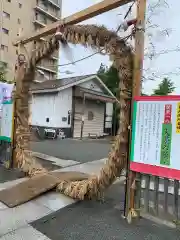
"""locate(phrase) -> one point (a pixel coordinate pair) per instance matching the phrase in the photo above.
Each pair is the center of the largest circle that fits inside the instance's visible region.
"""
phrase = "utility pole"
(136, 91)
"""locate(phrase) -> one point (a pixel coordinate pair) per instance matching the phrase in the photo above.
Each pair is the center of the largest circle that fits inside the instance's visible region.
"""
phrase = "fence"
(158, 197)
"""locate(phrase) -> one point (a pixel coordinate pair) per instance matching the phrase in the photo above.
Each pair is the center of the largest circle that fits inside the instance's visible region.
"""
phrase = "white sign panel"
(156, 136)
(6, 121)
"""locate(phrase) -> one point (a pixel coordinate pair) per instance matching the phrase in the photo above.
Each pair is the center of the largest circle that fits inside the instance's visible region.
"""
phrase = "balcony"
(45, 12)
(44, 74)
(39, 23)
(54, 58)
(54, 3)
(47, 69)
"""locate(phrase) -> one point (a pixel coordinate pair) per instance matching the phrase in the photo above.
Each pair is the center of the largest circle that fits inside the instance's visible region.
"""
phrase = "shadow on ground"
(9, 174)
(94, 220)
(13, 174)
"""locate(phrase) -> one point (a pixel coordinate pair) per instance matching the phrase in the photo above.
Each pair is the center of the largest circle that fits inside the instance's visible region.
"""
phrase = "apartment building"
(19, 16)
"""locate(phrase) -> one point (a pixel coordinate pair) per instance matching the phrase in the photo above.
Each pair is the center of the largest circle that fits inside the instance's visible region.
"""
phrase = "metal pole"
(82, 117)
(114, 119)
(126, 203)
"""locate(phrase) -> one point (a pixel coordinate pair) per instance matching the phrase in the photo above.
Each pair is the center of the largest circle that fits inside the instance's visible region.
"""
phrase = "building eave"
(92, 77)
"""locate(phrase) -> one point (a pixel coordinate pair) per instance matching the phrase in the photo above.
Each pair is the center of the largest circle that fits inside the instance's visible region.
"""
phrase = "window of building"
(20, 5)
(8, 0)
(36, 16)
(6, 15)
(19, 21)
(44, 20)
(45, 4)
(90, 116)
(36, 27)
(4, 47)
(6, 31)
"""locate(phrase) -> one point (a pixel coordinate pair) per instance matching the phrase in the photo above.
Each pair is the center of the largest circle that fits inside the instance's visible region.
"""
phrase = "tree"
(110, 77)
(155, 33)
(102, 70)
(165, 87)
(3, 72)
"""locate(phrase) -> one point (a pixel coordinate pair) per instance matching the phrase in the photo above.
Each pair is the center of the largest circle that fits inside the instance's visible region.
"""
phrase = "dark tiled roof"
(58, 83)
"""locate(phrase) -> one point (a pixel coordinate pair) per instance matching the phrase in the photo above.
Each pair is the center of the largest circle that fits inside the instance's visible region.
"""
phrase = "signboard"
(155, 145)
(5, 92)
(6, 121)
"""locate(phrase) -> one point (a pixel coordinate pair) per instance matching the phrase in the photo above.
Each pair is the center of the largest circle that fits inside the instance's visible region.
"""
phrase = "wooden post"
(19, 74)
(139, 48)
(137, 86)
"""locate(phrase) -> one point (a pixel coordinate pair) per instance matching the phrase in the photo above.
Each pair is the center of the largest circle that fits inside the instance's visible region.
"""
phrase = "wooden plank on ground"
(70, 176)
(35, 186)
(78, 17)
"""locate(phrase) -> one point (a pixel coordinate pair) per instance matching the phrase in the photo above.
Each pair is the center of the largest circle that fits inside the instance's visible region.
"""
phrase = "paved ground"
(69, 149)
(81, 151)
(14, 222)
(13, 174)
(54, 216)
(94, 220)
(47, 164)
(9, 174)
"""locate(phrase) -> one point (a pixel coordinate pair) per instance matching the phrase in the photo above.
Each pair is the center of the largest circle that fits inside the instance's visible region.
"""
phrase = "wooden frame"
(122, 56)
(90, 12)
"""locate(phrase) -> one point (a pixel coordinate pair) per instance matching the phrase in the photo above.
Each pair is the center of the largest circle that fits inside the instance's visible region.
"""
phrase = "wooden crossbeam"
(83, 15)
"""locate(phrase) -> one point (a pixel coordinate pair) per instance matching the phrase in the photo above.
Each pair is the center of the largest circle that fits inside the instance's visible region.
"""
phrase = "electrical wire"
(129, 10)
(100, 51)
(89, 56)
(166, 51)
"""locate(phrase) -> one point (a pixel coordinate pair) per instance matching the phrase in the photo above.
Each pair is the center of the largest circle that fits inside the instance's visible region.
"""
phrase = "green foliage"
(143, 94)
(110, 77)
(3, 72)
(164, 88)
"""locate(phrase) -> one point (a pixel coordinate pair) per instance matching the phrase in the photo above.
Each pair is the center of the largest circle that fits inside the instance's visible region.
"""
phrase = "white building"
(78, 106)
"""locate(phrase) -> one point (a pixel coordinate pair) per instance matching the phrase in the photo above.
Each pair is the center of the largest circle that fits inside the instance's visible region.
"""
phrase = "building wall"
(43, 110)
(108, 118)
(25, 17)
(14, 16)
(92, 84)
(64, 109)
(94, 124)
(52, 110)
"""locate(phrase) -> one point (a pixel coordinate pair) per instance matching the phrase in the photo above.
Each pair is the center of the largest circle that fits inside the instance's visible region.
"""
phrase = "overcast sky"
(162, 66)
